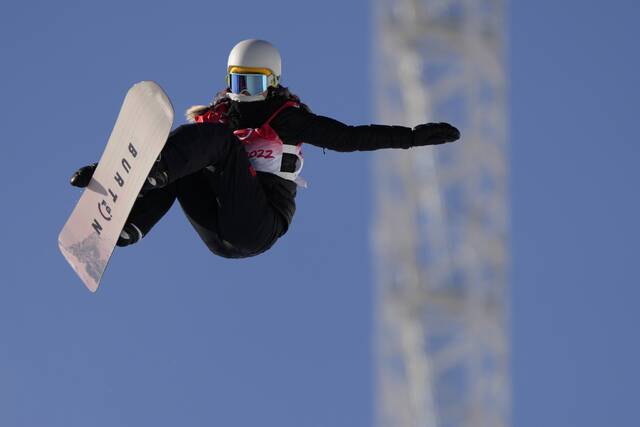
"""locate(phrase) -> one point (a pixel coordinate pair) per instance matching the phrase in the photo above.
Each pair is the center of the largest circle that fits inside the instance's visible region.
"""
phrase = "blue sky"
(178, 337)
(574, 97)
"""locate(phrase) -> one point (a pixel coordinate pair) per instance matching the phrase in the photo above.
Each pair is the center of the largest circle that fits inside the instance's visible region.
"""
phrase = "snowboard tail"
(89, 236)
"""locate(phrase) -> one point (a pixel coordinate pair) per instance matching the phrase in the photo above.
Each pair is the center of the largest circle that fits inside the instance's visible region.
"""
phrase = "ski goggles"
(252, 81)
(248, 84)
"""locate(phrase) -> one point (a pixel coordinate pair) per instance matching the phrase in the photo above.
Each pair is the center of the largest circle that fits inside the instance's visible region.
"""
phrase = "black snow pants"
(223, 198)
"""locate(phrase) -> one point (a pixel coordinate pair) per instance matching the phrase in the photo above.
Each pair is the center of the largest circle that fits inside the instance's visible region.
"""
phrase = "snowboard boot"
(158, 176)
(129, 235)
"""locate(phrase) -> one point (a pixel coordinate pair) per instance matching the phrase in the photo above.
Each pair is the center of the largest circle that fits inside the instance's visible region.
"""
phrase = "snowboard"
(89, 236)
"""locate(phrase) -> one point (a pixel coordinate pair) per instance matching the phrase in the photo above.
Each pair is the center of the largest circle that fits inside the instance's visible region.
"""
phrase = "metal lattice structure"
(441, 225)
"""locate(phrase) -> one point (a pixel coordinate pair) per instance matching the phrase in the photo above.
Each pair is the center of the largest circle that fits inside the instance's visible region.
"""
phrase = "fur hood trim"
(197, 110)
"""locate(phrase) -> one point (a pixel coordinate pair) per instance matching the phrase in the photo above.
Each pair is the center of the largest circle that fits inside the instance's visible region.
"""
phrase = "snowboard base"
(89, 236)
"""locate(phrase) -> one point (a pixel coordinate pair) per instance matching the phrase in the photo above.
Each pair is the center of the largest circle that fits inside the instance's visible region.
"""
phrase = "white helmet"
(252, 67)
(256, 54)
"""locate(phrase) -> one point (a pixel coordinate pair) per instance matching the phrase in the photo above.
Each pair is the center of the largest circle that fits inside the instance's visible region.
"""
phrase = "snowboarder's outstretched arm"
(326, 132)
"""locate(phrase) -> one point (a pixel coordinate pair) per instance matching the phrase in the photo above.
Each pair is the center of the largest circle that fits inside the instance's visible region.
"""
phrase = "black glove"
(434, 134)
(82, 176)
(129, 235)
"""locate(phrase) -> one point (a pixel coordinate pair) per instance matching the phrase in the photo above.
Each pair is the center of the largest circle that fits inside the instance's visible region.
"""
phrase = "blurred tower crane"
(441, 224)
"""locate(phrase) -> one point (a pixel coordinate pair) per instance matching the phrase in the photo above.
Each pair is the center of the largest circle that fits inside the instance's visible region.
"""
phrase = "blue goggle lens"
(248, 84)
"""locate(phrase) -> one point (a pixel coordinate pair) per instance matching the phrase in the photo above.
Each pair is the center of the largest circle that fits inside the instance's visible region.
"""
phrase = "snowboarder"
(236, 167)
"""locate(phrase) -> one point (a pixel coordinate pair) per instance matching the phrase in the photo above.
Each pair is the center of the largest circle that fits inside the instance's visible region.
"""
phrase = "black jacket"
(295, 125)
